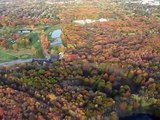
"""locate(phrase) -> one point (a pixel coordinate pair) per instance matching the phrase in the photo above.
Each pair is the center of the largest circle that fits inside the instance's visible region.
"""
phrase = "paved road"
(15, 62)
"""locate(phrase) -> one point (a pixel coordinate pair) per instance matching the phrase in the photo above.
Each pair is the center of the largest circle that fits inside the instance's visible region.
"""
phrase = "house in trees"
(25, 31)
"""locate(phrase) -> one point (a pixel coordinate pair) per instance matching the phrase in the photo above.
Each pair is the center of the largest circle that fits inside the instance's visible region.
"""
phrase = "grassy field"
(36, 43)
(9, 55)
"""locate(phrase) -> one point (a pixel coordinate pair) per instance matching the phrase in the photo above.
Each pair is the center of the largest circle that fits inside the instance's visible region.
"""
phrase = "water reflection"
(56, 34)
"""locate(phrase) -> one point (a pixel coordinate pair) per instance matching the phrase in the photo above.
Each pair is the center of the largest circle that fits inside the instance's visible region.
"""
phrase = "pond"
(58, 41)
(56, 34)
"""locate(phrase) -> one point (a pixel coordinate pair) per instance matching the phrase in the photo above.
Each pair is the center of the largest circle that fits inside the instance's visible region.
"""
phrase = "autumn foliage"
(45, 43)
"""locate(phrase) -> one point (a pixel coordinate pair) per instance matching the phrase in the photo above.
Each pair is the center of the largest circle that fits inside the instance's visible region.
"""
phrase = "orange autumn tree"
(3, 43)
(3, 21)
(33, 49)
(45, 43)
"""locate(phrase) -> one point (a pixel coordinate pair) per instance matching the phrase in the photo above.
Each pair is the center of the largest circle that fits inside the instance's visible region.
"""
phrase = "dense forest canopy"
(79, 59)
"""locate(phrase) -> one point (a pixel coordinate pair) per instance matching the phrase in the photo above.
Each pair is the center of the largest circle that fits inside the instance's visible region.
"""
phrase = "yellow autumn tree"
(15, 47)
(45, 43)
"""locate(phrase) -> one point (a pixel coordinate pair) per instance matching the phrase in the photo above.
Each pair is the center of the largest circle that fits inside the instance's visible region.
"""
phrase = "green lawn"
(37, 44)
(5, 56)
(9, 55)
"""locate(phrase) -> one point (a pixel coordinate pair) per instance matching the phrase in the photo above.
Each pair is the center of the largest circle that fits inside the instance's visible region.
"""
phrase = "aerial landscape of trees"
(110, 69)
